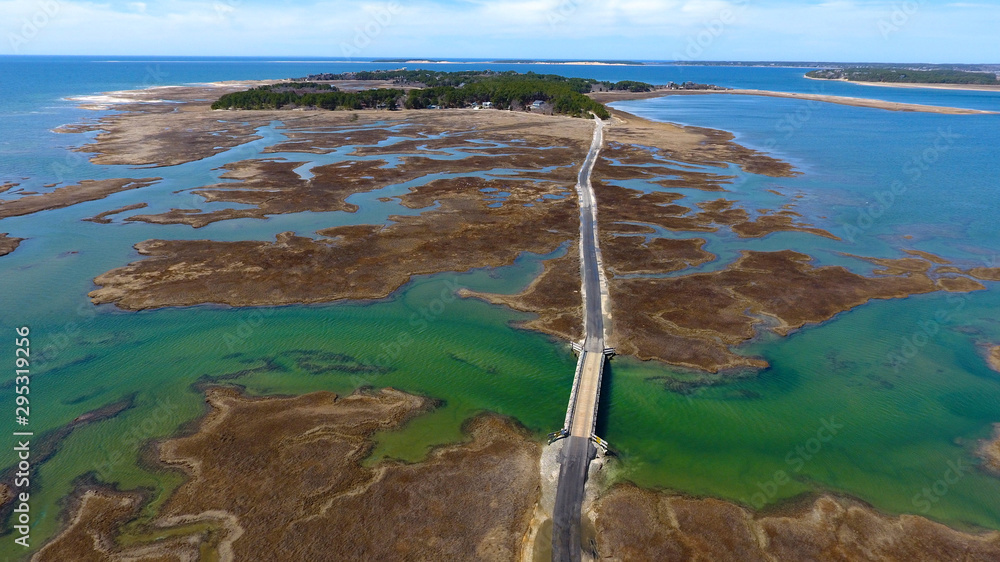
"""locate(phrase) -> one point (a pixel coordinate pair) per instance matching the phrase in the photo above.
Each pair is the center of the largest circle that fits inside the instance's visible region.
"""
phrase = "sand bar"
(923, 85)
(608, 97)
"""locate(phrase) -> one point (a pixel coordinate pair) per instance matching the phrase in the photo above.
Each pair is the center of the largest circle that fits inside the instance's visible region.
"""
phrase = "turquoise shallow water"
(899, 423)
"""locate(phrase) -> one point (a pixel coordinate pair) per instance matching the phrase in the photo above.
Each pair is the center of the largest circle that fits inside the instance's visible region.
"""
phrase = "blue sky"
(891, 31)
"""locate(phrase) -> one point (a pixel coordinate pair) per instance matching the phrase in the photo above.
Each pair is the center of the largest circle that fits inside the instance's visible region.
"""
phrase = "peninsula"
(945, 78)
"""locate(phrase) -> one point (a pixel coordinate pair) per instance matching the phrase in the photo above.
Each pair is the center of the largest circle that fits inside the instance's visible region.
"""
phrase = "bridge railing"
(571, 408)
(597, 398)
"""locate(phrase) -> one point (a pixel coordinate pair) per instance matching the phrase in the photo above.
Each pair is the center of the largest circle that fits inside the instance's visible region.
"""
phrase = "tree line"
(906, 75)
(278, 96)
(509, 92)
(504, 90)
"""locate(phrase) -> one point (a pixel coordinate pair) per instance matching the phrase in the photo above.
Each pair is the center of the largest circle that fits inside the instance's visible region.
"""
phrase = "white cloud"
(833, 30)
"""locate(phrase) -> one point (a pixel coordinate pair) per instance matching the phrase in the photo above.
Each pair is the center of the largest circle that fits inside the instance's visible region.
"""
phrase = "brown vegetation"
(691, 145)
(97, 516)
(693, 320)
(989, 449)
(468, 501)
(282, 478)
(8, 244)
(150, 132)
(274, 187)
(86, 190)
(985, 273)
(634, 524)
(102, 218)
(554, 295)
(356, 262)
(959, 285)
(629, 255)
(993, 357)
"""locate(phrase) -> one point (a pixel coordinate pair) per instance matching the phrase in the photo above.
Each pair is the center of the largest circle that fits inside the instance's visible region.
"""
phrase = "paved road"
(589, 269)
(576, 452)
(578, 449)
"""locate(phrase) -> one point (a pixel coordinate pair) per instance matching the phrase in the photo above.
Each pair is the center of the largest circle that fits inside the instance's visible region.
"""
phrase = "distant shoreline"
(116, 98)
(925, 85)
(608, 97)
(571, 63)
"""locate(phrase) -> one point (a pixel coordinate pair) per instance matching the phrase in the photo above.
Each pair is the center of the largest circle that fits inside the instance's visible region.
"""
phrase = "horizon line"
(509, 60)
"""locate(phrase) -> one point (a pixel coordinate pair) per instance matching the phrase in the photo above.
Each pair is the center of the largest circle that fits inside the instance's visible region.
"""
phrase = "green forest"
(300, 94)
(906, 75)
(504, 90)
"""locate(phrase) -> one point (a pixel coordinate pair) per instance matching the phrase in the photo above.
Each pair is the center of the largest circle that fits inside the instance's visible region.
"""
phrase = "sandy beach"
(608, 97)
(969, 87)
(923, 85)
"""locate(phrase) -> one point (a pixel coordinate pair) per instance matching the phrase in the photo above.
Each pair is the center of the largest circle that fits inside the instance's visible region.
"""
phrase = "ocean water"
(893, 426)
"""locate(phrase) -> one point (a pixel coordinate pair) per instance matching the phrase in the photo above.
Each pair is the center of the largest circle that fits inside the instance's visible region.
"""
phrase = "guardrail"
(572, 395)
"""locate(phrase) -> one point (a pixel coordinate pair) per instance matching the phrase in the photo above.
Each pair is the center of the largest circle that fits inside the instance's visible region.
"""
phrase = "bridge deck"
(585, 409)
